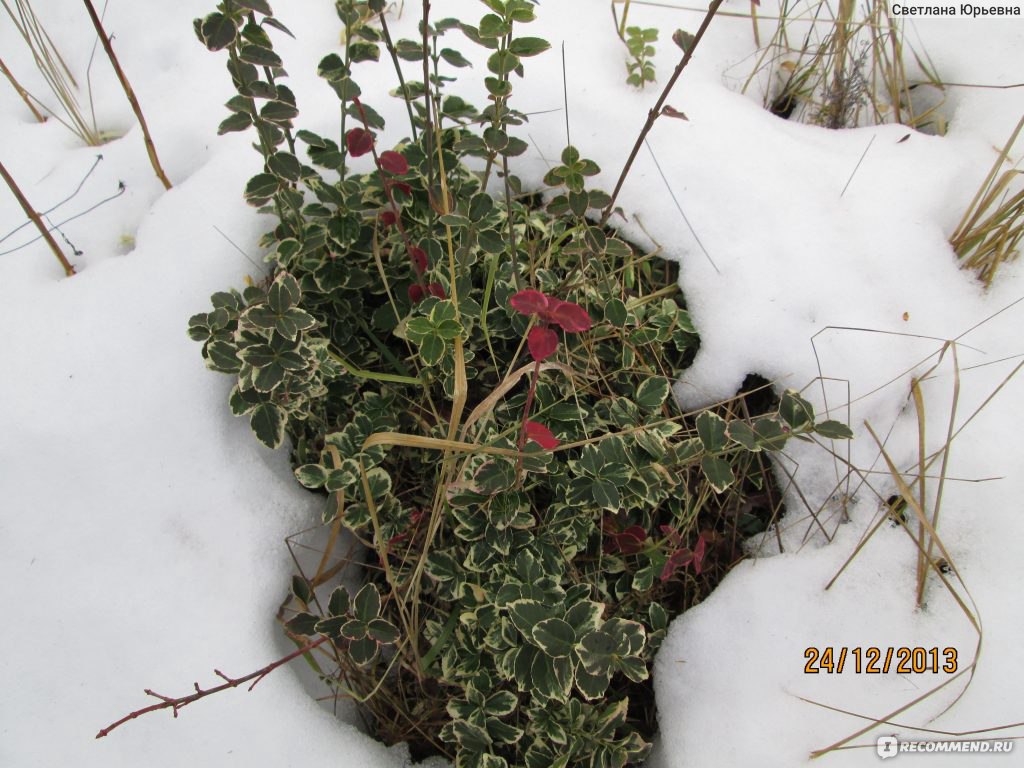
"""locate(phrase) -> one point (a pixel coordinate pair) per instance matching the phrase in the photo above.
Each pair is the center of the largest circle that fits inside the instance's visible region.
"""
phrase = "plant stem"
(521, 444)
(385, 179)
(37, 220)
(22, 92)
(167, 702)
(150, 147)
(398, 69)
(655, 112)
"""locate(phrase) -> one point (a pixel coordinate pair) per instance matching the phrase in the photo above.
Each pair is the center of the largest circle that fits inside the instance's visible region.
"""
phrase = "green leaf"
(718, 472)
(833, 430)
(218, 31)
(502, 62)
(651, 394)
(363, 52)
(379, 481)
(632, 667)
(432, 349)
(711, 430)
(501, 704)
(260, 6)
(311, 475)
(526, 614)
(259, 56)
(285, 165)
(302, 624)
(794, 410)
(528, 46)
(270, 22)
(454, 58)
(615, 313)
(301, 589)
(268, 424)
(261, 188)
(363, 651)
(740, 432)
(493, 25)
(383, 631)
(556, 637)
(770, 434)
(366, 604)
(605, 494)
(238, 121)
(339, 602)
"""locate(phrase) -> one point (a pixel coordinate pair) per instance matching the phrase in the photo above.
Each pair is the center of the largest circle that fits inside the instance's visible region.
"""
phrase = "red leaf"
(678, 559)
(698, 554)
(541, 435)
(416, 293)
(570, 316)
(542, 342)
(393, 163)
(631, 540)
(529, 302)
(419, 259)
(436, 289)
(403, 186)
(359, 141)
(387, 218)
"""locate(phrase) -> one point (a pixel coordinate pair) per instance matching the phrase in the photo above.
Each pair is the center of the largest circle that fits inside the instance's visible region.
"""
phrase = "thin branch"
(22, 92)
(150, 147)
(174, 704)
(31, 213)
(655, 112)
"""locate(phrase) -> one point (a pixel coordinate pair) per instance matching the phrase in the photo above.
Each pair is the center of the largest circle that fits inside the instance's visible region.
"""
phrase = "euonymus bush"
(480, 383)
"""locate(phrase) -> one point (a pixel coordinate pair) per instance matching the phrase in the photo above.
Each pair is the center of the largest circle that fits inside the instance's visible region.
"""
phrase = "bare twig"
(22, 92)
(655, 112)
(150, 147)
(32, 214)
(174, 704)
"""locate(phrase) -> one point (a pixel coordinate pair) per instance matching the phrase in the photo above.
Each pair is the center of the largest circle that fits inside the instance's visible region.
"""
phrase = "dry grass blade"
(911, 489)
(991, 229)
(849, 69)
(54, 71)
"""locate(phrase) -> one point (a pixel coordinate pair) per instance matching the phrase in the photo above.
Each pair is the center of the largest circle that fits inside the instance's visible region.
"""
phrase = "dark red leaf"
(698, 554)
(436, 289)
(541, 435)
(387, 218)
(393, 163)
(419, 259)
(542, 342)
(403, 186)
(529, 302)
(416, 293)
(570, 316)
(359, 141)
(630, 541)
(678, 559)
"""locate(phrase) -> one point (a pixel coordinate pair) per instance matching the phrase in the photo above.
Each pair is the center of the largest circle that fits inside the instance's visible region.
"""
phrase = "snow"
(142, 528)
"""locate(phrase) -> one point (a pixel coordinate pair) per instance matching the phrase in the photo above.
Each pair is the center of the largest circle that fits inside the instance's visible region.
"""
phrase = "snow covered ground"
(141, 527)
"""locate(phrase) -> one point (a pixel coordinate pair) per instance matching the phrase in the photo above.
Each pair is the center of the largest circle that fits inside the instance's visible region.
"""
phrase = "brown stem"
(150, 148)
(655, 112)
(166, 702)
(22, 92)
(37, 220)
